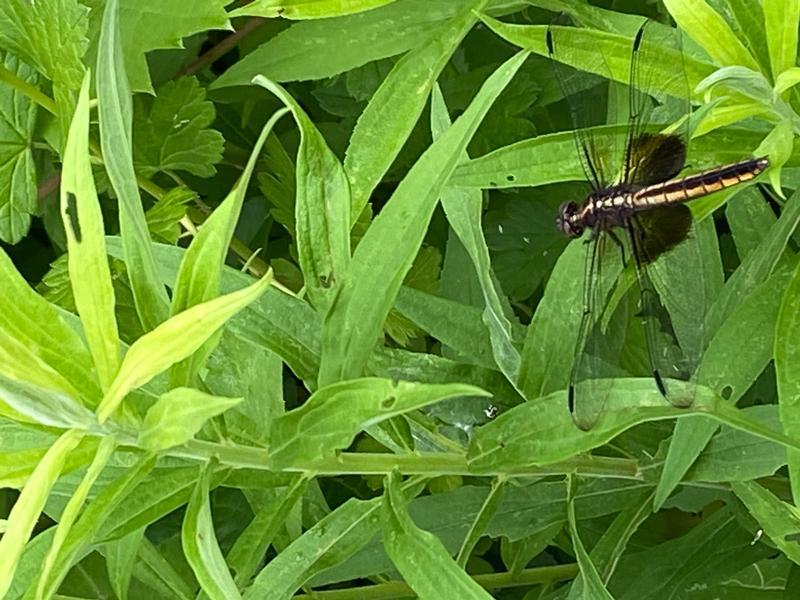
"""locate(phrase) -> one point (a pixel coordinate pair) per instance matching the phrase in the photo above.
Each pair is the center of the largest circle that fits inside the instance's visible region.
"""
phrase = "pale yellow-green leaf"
(174, 340)
(88, 261)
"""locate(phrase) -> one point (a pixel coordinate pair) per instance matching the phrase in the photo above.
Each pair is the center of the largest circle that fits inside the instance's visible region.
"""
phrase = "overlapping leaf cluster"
(308, 325)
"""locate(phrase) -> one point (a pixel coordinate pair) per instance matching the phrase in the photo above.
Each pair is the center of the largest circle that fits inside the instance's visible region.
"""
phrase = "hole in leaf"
(388, 403)
(727, 392)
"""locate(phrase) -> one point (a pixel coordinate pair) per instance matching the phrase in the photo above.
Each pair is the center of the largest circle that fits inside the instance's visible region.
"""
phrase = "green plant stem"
(440, 463)
(399, 589)
(25, 88)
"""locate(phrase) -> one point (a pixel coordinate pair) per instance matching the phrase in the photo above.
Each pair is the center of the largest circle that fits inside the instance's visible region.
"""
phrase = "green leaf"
(778, 146)
(323, 210)
(464, 209)
(750, 220)
(611, 546)
(255, 540)
(46, 406)
(334, 414)
(326, 47)
(199, 273)
(591, 585)
(200, 545)
(422, 560)
(780, 520)
(37, 339)
(581, 48)
(49, 35)
(175, 340)
(154, 494)
(397, 104)
(553, 332)
(154, 24)
(329, 542)
(709, 29)
(158, 573)
(787, 355)
(482, 519)
(367, 293)
(306, 9)
(114, 111)
(163, 218)
(50, 578)
(748, 82)
(551, 158)
(715, 550)
(780, 17)
(541, 431)
(757, 267)
(172, 132)
(178, 415)
(526, 509)
(787, 79)
(283, 323)
(86, 245)
(734, 455)
(26, 510)
(458, 326)
(17, 171)
(121, 558)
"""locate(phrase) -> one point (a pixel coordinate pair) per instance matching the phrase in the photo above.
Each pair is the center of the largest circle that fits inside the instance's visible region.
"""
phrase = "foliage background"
(283, 312)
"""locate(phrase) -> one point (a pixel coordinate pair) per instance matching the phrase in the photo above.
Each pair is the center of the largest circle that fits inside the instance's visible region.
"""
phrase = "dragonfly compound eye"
(565, 221)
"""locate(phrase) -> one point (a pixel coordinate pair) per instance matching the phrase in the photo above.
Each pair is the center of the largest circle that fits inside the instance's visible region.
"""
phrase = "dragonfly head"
(566, 222)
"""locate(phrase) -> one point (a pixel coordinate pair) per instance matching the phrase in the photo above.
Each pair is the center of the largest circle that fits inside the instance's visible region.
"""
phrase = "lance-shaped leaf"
(464, 209)
(781, 521)
(333, 415)
(305, 9)
(541, 431)
(38, 345)
(198, 277)
(178, 415)
(322, 207)
(397, 104)
(114, 110)
(787, 359)
(86, 246)
(25, 513)
(420, 556)
(709, 29)
(201, 547)
(363, 300)
(174, 340)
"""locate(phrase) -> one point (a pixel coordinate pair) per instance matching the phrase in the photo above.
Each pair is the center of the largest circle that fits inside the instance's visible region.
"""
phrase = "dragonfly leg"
(619, 244)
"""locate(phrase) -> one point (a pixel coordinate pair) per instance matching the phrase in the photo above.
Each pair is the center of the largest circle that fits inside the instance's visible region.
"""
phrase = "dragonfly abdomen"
(698, 185)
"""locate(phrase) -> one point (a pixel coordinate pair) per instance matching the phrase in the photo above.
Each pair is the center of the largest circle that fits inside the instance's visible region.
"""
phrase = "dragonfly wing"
(656, 97)
(668, 361)
(600, 340)
(591, 96)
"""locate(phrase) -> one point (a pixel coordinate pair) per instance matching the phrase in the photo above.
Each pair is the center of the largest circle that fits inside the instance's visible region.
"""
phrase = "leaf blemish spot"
(72, 213)
(388, 403)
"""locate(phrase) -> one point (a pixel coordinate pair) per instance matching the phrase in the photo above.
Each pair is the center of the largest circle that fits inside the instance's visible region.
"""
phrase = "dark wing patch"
(661, 229)
(655, 157)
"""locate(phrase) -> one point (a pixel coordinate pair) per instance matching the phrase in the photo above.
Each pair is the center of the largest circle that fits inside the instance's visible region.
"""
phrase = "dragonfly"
(635, 207)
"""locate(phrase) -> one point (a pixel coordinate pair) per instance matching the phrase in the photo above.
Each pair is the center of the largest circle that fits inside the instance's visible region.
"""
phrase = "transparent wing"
(655, 101)
(600, 337)
(593, 99)
(668, 360)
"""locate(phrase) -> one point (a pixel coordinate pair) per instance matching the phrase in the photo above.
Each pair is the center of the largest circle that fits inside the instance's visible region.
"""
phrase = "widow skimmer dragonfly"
(637, 201)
